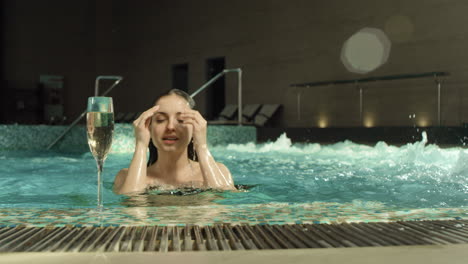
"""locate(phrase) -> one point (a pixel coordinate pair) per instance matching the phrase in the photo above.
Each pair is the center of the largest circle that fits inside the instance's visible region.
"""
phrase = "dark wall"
(54, 38)
(276, 43)
(3, 84)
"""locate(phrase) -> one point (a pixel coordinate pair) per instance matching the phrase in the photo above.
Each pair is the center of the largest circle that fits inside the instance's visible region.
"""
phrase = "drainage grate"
(225, 237)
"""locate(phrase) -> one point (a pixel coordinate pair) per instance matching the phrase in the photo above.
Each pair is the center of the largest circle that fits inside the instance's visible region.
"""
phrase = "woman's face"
(168, 132)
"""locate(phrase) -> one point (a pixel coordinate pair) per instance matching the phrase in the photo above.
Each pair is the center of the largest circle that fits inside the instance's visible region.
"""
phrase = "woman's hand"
(215, 175)
(196, 120)
(141, 126)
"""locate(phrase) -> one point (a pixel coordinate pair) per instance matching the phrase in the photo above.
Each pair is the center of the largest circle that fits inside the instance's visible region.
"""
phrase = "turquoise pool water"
(286, 183)
(412, 176)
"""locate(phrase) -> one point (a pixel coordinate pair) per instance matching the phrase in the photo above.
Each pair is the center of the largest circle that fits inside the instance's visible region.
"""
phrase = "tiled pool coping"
(24, 137)
(310, 213)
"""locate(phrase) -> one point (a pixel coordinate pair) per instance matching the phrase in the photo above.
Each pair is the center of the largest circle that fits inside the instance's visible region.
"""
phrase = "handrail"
(96, 93)
(106, 77)
(436, 76)
(372, 79)
(239, 89)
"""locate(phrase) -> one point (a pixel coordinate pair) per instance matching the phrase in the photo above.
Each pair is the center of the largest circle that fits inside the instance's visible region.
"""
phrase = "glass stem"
(100, 165)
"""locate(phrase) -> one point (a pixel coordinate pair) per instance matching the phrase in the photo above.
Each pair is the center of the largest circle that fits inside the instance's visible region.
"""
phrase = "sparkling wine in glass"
(100, 128)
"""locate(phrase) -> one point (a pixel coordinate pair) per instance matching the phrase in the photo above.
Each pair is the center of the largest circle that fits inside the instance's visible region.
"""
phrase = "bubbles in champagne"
(100, 127)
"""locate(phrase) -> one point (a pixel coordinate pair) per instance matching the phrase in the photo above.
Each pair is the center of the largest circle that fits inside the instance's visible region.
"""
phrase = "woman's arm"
(215, 175)
(133, 179)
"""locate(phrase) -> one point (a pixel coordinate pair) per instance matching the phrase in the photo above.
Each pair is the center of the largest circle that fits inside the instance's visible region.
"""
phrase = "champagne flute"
(100, 128)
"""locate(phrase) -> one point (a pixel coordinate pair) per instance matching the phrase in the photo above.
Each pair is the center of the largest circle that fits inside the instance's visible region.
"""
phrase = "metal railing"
(436, 76)
(239, 89)
(117, 79)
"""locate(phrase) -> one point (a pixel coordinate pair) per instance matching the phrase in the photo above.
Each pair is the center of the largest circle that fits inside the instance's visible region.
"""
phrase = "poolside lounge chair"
(228, 112)
(226, 117)
(265, 114)
(119, 117)
(249, 111)
(129, 117)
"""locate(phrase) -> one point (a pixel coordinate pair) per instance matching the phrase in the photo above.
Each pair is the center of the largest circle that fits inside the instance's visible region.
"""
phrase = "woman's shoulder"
(221, 165)
(223, 168)
(119, 179)
(122, 172)
(120, 176)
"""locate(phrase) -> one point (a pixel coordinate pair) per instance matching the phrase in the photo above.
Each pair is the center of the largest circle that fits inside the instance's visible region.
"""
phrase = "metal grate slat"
(27, 237)
(199, 242)
(210, 240)
(89, 234)
(128, 240)
(449, 231)
(298, 231)
(286, 233)
(244, 238)
(314, 237)
(368, 237)
(337, 236)
(270, 242)
(328, 240)
(11, 237)
(42, 243)
(459, 228)
(2, 230)
(256, 239)
(164, 242)
(375, 234)
(383, 235)
(188, 241)
(139, 245)
(95, 240)
(397, 234)
(176, 239)
(221, 238)
(278, 237)
(226, 237)
(347, 237)
(112, 241)
(427, 239)
(413, 235)
(7, 232)
(152, 233)
(234, 241)
(432, 235)
(61, 238)
(71, 245)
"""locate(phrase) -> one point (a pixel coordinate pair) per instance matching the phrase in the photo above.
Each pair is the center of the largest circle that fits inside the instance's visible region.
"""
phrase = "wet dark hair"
(153, 151)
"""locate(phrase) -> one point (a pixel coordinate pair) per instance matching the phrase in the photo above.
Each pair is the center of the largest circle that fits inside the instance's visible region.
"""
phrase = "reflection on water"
(141, 207)
(178, 197)
(167, 199)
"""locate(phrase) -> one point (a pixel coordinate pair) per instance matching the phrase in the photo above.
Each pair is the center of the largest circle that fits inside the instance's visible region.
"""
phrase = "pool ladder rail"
(117, 79)
(227, 237)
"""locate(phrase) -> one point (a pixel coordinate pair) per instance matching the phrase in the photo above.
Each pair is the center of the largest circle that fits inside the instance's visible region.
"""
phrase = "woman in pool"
(179, 155)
